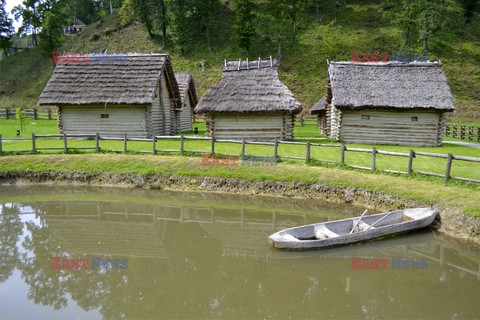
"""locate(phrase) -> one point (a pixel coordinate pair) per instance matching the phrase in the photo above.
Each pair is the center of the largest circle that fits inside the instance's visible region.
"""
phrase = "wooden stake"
(125, 143)
(410, 161)
(243, 148)
(1, 145)
(65, 147)
(275, 148)
(154, 144)
(374, 158)
(307, 158)
(449, 167)
(342, 153)
(181, 145)
(213, 145)
(34, 146)
(97, 142)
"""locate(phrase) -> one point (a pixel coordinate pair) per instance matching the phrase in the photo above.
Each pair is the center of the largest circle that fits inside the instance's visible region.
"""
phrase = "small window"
(365, 117)
(104, 116)
(414, 118)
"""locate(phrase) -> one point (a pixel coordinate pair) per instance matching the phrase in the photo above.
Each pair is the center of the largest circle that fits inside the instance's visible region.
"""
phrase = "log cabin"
(320, 110)
(189, 99)
(387, 103)
(136, 96)
(249, 102)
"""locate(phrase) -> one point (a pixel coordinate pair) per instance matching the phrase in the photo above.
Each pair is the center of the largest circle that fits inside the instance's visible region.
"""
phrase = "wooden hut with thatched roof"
(136, 96)
(320, 110)
(188, 95)
(388, 103)
(249, 102)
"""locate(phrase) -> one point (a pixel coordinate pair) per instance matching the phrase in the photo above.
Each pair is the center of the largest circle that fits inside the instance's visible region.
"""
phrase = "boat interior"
(339, 228)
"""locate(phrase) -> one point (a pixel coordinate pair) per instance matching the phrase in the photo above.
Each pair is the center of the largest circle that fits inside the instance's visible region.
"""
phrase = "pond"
(90, 253)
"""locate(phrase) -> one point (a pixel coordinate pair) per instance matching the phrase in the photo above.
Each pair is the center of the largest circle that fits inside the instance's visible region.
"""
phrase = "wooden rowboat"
(339, 232)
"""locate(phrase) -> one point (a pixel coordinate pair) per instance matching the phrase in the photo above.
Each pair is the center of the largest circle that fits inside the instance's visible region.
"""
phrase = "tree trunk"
(317, 10)
(425, 44)
(294, 13)
(164, 24)
(279, 50)
(111, 8)
(208, 39)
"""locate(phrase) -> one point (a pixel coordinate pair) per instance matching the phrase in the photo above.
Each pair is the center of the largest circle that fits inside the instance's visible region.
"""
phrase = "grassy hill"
(361, 26)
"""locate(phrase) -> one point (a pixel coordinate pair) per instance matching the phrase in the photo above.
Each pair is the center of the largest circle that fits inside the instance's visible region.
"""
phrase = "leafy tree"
(181, 22)
(205, 12)
(291, 8)
(245, 23)
(419, 20)
(51, 36)
(469, 7)
(153, 14)
(6, 29)
(31, 18)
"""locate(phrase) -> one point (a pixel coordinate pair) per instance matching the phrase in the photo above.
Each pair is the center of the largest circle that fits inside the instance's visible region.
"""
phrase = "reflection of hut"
(134, 94)
(188, 95)
(320, 109)
(388, 103)
(249, 102)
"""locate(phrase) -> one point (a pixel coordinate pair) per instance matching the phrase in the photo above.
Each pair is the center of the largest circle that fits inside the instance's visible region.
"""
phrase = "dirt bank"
(451, 222)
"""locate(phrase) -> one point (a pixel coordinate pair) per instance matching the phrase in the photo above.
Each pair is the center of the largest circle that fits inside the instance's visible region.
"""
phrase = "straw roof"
(186, 87)
(249, 87)
(320, 106)
(132, 79)
(390, 85)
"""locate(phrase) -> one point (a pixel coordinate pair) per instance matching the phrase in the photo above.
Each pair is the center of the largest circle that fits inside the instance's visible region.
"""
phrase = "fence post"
(275, 148)
(34, 145)
(342, 154)
(410, 161)
(1, 145)
(213, 145)
(154, 144)
(7, 113)
(35, 113)
(462, 132)
(478, 134)
(181, 145)
(65, 146)
(470, 133)
(49, 114)
(374, 158)
(448, 132)
(307, 158)
(449, 166)
(125, 143)
(243, 148)
(97, 142)
(454, 131)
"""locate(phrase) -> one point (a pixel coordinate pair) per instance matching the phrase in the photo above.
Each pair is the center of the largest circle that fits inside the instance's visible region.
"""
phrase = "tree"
(245, 23)
(51, 36)
(291, 8)
(205, 12)
(31, 18)
(419, 20)
(469, 7)
(6, 28)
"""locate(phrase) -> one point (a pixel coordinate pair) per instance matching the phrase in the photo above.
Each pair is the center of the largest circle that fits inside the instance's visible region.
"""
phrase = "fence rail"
(307, 158)
(469, 133)
(32, 113)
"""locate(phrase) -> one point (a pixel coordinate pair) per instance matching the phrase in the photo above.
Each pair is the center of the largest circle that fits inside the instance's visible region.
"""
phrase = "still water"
(207, 256)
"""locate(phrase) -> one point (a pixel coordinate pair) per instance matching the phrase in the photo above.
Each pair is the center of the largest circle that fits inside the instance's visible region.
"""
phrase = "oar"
(379, 220)
(356, 224)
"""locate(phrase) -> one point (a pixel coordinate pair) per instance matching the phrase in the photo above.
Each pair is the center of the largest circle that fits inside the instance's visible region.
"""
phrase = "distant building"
(188, 95)
(387, 103)
(320, 110)
(249, 102)
(137, 97)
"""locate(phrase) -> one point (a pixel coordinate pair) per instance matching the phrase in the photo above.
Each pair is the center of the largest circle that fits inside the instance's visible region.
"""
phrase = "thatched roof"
(249, 87)
(320, 106)
(186, 87)
(133, 79)
(390, 85)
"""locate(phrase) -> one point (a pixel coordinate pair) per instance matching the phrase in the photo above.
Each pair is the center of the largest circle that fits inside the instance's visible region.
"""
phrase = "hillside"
(361, 26)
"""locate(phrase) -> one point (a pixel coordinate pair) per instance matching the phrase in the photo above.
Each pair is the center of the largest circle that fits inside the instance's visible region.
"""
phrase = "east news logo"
(96, 263)
(395, 263)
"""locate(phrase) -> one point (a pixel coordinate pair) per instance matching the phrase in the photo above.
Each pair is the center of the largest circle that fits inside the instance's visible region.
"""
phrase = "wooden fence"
(33, 113)
(469, 133)
(308, 147)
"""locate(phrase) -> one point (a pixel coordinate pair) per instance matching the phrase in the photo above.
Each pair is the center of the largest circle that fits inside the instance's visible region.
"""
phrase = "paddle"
(356, 224)
(379, 220)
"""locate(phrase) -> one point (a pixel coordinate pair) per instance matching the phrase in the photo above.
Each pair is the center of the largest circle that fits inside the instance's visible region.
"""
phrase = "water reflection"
(202, 261)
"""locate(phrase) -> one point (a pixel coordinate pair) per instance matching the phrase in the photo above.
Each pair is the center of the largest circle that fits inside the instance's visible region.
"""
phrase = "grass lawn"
(433, 192)
(307, 132)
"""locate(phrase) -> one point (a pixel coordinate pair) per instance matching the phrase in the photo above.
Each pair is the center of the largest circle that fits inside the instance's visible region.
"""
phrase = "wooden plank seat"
(322, 232)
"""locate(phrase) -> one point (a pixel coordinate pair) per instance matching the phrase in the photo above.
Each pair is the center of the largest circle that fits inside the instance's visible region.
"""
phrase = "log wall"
(252, 127)
(413, 128)
(185, 117)
(124, 119)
